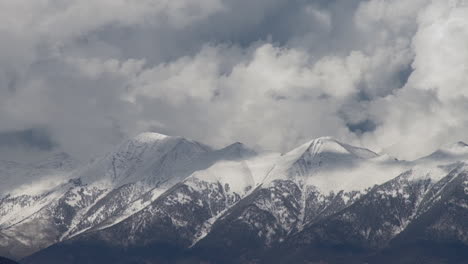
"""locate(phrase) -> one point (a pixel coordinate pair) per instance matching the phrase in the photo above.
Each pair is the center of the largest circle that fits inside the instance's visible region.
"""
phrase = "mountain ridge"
(169, 192)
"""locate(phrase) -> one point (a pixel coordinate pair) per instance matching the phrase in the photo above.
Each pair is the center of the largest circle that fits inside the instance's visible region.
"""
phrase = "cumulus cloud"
(391, 75)
(429, 110)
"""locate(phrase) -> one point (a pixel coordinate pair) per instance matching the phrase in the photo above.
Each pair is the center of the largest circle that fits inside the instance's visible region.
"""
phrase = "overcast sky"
(82, 75)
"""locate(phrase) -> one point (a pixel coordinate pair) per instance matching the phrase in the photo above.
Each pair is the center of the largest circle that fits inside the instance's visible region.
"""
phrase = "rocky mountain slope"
(110, 189)
(160, 199)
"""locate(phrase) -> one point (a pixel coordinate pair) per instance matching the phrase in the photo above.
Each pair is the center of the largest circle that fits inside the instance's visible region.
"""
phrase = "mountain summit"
(162, 199)
(455, 152)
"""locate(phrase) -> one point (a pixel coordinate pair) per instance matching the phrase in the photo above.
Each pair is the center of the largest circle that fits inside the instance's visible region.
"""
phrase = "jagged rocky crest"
(162, 199)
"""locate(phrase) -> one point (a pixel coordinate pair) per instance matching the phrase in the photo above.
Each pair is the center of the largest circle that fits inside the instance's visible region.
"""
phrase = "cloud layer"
(390, 75)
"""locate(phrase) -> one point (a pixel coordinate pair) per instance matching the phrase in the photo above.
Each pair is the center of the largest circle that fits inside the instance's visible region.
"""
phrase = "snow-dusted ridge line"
(152, 160)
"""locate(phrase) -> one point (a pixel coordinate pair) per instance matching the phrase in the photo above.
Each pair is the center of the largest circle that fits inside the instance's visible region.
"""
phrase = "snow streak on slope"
(237, 179)
(206, 193)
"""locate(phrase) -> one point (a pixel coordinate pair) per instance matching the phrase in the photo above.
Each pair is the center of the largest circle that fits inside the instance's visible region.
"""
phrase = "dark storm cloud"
(270, 73)
(362, 127)
(35, 138)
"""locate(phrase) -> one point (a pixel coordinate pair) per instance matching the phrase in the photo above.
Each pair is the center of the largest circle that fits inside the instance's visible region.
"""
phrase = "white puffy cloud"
(390, 75)
(429, 110)
(441, 61)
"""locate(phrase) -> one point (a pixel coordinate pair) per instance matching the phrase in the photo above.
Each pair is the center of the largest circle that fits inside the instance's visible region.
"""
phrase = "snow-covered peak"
(452, 152)
(438, 164)
(149, 137)
(326, 144)
(148, 157)
(143, 140)
(331, 165)
(459, 147)
(323, 152)
(330, 146)
(235, 151)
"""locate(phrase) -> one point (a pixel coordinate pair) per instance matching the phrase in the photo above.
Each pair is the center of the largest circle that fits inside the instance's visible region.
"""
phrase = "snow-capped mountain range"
(163, 199)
